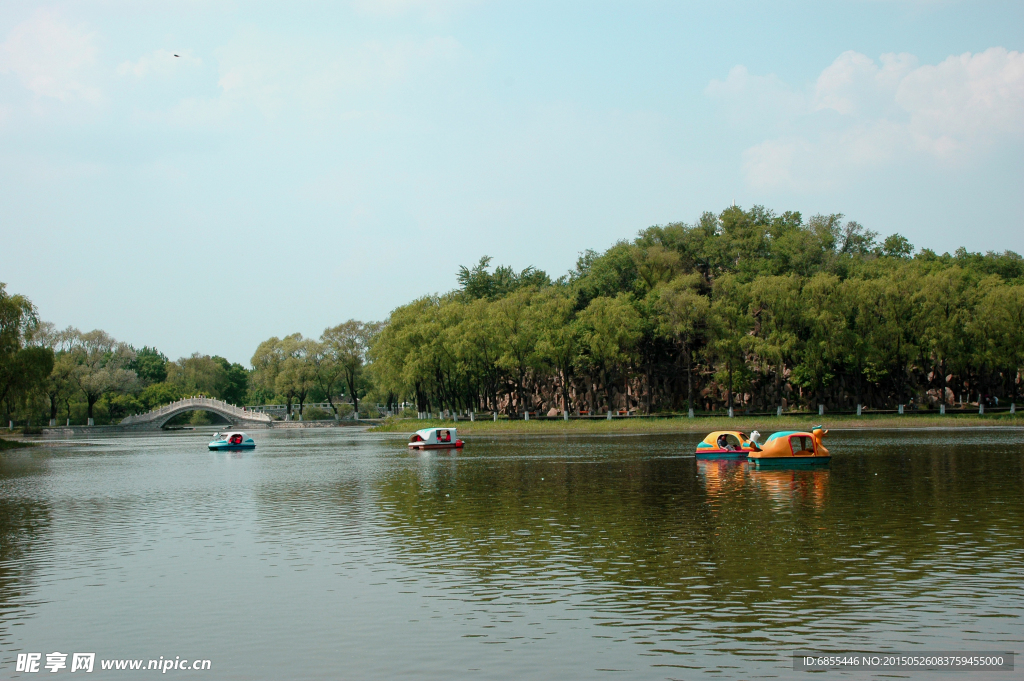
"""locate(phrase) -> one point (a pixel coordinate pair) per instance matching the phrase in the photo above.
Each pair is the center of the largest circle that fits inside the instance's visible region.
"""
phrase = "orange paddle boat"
(792, 447)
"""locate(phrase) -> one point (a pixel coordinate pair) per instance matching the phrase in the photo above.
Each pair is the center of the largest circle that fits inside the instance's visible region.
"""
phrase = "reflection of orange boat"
(792, 448)
(721, 476)
(727, 444)
(787, 486)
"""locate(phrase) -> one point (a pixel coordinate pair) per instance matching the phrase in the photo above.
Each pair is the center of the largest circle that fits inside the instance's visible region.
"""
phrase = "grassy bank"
(765, 424)
(12, 444)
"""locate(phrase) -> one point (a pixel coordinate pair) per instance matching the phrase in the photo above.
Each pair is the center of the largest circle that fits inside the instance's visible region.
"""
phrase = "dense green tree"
(743, 306)
(101, 367)
(199, 375)
(999, 324)
(610, 330)
(348, 343)
(296, 376)
(684, 319)
(558, 336)
(24, 365)
(236, 386)
(729, 324)
(150, 365)
(159, 394)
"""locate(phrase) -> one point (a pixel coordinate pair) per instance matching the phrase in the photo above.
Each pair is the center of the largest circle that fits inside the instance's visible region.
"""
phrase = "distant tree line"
(747, 309)
(293, 370)
(70, 376)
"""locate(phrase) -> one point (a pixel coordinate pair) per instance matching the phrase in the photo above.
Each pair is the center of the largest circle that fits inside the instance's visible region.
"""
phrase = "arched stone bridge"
(236, 416)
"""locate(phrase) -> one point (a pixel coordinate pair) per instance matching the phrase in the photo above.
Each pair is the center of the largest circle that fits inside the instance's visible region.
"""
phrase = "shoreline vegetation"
(747, 310)
(13, 444)
(703, 424)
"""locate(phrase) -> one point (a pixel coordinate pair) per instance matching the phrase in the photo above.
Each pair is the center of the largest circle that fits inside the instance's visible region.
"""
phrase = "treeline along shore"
(746, 310)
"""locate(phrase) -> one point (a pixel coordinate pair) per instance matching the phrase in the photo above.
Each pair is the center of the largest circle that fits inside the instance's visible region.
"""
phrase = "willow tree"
(100, 367)
(1000, 322)
(558, 341)
(24, 365)
(947, 300)
(610, 330)
(824, 320)
(515, 325)
(295, 378)
(348, 344)
(729, 323)
(685, 317)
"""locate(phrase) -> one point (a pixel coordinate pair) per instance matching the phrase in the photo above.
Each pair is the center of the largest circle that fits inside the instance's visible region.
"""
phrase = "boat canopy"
(435, 436)
(711, 441)
(786, 433)
(235, 437)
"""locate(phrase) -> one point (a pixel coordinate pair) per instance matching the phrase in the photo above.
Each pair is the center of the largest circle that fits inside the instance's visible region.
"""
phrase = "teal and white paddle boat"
(234, 439)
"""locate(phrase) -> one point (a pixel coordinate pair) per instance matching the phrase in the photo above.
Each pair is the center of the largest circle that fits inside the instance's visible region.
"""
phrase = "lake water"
(329, 554)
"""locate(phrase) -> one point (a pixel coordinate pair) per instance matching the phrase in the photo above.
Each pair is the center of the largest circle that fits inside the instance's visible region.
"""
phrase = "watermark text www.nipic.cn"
(86, 662)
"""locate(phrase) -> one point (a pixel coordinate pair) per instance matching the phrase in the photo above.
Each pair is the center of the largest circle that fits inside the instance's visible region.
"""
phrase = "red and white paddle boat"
(435, 438)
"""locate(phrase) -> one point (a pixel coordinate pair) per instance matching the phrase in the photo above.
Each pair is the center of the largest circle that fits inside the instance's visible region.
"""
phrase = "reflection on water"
(331, 553)
(724, 480)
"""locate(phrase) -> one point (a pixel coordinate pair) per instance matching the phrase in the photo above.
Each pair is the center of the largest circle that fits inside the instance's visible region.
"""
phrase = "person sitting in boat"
(723, 444)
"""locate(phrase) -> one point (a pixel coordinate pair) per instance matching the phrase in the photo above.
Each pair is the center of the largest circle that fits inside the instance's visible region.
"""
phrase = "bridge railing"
(208, 402)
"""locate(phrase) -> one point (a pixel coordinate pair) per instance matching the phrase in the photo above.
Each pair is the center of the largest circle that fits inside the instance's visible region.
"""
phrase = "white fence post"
(858, 410)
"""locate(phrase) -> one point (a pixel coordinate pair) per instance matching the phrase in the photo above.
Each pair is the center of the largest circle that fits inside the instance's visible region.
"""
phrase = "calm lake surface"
(334, 554)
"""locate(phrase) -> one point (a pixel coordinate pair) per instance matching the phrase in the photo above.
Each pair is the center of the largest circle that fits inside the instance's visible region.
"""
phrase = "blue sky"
(299, 164)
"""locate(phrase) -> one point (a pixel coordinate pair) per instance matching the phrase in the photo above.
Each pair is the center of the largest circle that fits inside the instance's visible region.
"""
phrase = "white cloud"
(747, 96)
(162, 63)
(860, 115)
(51, 58)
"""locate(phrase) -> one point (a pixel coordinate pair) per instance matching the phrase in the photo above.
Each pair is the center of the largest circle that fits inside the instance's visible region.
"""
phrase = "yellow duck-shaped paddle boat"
(727, 444)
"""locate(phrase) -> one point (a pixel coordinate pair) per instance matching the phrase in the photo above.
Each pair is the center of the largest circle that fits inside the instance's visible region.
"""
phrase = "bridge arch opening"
(196, 417)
